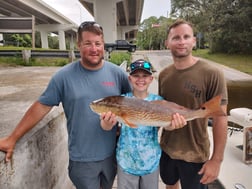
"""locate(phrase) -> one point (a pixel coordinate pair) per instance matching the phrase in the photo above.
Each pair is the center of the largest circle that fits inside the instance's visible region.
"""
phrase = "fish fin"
(213, 107)
(132, 125)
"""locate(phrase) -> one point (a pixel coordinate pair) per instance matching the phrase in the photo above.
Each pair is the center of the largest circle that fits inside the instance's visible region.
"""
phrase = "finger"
(105, 116)
(102, 116)
(175, 120)
(8, 156)
(201, 170)
(180, 120)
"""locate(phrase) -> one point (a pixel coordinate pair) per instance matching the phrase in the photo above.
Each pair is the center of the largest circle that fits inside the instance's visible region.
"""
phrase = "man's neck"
(184, 62)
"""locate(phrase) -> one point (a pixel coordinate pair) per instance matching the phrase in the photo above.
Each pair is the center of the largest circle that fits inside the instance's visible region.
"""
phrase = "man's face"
(181, 41)
(91, 49)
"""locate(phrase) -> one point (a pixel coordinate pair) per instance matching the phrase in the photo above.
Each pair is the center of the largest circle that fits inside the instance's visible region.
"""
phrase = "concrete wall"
(40, 160)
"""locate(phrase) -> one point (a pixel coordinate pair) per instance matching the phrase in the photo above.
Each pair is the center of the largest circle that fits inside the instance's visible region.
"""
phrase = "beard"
(92, 63)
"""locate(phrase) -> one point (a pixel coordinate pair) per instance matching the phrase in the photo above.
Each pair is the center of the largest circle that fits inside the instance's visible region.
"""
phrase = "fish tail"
(213, 107)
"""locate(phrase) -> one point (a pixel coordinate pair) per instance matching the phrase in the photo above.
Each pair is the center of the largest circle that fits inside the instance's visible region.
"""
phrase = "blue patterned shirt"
(138, 151)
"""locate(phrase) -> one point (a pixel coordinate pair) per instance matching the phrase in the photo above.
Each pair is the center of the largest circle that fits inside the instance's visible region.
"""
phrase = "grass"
(240, 62)
(118, 57)
(115, 57)
(18, 61)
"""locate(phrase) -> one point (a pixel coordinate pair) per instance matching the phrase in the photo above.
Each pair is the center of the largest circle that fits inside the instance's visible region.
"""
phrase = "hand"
(108, 120)
(210, 171)
(7, 146)
(177, 122)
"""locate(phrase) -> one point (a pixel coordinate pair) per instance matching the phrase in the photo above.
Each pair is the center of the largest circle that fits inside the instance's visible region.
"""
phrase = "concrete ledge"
(41, 157)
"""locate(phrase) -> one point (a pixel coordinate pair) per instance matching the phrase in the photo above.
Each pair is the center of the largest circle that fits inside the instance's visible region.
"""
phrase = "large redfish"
(134, 111)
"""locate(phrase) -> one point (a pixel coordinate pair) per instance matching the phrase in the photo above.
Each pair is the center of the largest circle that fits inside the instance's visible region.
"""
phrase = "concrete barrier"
(41, 157)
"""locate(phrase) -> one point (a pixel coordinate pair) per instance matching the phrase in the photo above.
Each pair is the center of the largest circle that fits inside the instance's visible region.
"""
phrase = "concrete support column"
(72, 42)
(124, 29)
(44, 39)
(105, 14)
(62, 42)
(1, 39)
(120, 33)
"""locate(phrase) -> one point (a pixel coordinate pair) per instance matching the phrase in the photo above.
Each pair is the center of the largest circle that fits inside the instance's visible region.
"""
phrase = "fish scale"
(134, 111)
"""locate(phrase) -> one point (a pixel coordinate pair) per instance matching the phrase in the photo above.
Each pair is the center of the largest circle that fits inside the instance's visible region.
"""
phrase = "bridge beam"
(57, 28)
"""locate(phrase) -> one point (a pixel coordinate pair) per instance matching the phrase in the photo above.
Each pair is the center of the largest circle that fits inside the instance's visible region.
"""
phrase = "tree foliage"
(226, 24)
(19, 40)
(152, 33)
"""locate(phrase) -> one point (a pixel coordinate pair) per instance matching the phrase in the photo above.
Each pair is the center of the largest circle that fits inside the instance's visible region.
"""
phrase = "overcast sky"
(75, 11)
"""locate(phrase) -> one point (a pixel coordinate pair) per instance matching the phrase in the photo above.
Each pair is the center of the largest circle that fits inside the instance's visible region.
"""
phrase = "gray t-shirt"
(75, 87)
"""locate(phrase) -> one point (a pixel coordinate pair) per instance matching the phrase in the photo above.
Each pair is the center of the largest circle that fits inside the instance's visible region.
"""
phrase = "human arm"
(211, 168)
(33, 115)
(108, 120)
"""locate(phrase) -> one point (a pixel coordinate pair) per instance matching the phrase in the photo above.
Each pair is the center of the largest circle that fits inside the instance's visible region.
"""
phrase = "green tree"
(19, 40)
(226, 24)
(152, 33)
(53, 42)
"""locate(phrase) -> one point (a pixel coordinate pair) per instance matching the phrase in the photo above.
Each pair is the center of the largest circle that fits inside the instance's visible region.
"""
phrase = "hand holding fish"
(177, 122)
(108, 120)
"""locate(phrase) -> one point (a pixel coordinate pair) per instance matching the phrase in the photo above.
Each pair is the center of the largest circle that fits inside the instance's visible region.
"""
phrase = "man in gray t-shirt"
(91, 149)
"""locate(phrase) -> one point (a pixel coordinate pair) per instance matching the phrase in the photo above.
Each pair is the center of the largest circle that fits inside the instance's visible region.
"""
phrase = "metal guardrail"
(40, 53)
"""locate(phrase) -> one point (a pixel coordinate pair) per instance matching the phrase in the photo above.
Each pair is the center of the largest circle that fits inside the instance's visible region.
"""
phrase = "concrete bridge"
(119, 19)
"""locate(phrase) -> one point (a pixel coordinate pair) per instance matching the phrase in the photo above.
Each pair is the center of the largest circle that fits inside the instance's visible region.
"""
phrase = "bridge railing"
(39, 53)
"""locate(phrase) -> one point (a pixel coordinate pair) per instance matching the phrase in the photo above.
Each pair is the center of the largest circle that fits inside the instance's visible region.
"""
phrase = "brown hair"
(89, 26)
(177, 23)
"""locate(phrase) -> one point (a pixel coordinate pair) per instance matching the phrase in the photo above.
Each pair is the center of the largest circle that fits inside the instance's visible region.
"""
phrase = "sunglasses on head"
(140, 64)
(89, 23)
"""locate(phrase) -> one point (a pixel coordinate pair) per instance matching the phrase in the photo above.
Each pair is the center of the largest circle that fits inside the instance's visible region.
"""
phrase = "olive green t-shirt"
(191, 88)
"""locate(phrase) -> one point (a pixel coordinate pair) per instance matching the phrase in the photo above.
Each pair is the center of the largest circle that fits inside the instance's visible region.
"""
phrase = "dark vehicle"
(120, 45)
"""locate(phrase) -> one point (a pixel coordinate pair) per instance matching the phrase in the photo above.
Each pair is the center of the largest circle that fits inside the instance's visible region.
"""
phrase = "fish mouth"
(95, 101)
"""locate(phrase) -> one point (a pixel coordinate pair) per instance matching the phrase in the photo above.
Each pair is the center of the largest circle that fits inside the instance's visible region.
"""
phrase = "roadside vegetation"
(118, 57)
(240, 62)
(115, 57)
(18, 61)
